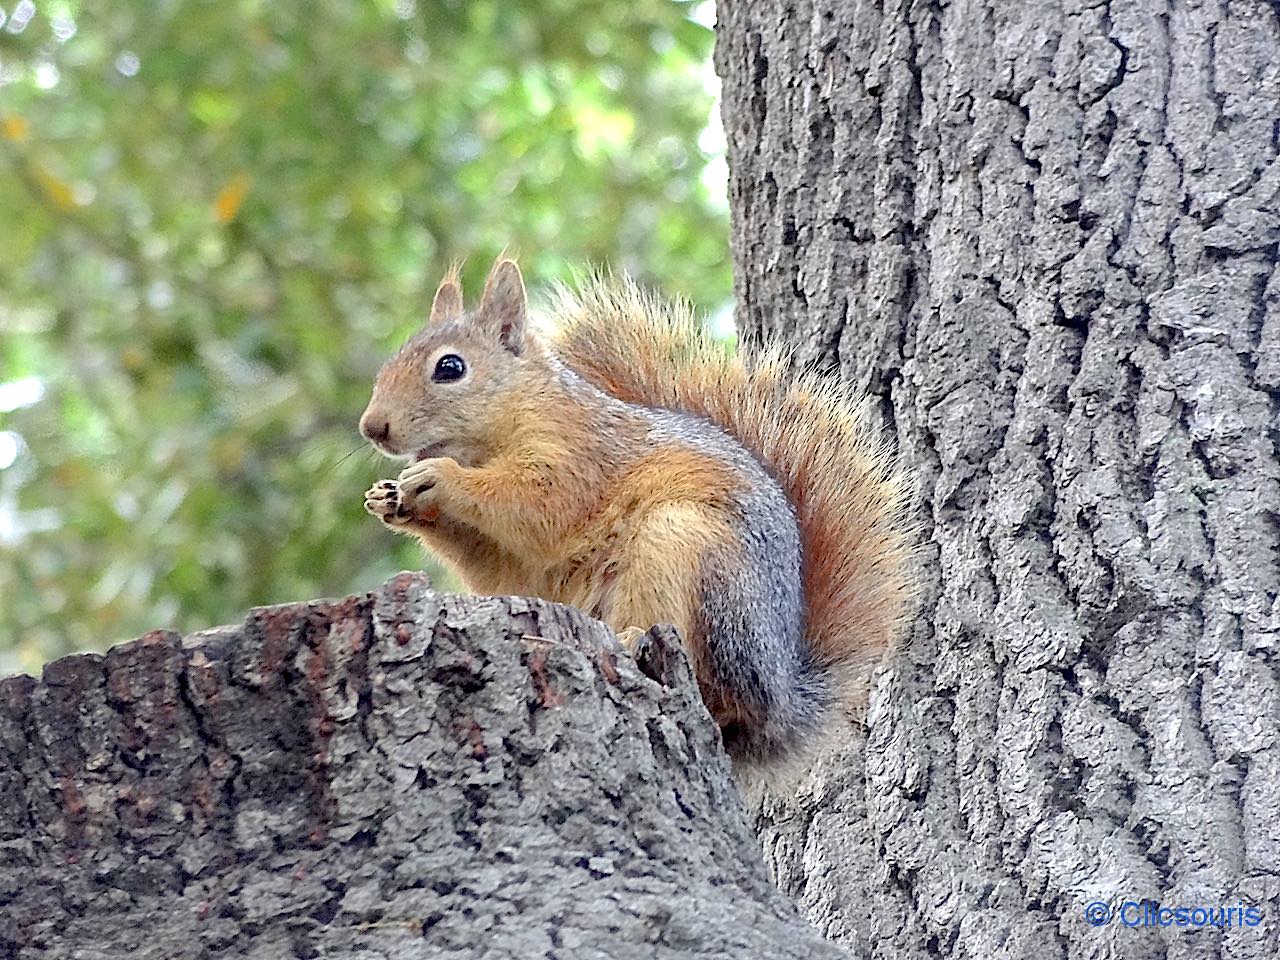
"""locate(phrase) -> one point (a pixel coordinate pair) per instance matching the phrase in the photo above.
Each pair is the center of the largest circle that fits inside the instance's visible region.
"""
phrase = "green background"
(218, 218)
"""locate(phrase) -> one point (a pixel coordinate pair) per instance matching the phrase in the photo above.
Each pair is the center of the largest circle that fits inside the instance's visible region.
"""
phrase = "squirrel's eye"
(448, 369)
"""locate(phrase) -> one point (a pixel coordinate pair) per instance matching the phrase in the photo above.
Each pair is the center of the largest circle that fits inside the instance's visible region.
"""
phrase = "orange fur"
(849, 495)
(605, 541)
(526, 480)
(537, 498)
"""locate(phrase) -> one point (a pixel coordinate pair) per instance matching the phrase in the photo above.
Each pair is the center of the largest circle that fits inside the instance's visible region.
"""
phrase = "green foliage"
(218, 218)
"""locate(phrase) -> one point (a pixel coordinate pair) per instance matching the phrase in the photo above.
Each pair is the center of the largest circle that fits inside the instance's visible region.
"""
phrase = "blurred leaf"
(220, 218)
(60, 194)
(14, 127)
(227, 204)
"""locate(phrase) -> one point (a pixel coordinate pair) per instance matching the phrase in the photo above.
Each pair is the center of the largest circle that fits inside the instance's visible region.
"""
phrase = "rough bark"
(1045, 236)
(407, 774)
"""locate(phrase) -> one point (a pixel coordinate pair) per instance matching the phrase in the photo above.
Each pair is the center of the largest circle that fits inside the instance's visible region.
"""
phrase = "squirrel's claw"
(383, 501)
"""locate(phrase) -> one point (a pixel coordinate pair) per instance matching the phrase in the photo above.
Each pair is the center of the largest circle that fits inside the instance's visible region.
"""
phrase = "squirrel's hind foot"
(630, 636)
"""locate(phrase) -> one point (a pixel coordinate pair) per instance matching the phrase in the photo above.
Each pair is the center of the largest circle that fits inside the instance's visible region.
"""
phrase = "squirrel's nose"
(376, 429)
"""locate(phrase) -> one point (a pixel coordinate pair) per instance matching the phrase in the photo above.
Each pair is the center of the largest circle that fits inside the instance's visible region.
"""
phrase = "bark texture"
(1045, 235)
(407, 774)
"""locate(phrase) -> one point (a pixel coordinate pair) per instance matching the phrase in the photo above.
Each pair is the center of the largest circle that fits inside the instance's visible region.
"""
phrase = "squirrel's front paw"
(383, 501)
(420, 489)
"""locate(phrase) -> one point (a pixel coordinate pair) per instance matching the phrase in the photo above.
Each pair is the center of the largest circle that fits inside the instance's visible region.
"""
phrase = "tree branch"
(403, 771)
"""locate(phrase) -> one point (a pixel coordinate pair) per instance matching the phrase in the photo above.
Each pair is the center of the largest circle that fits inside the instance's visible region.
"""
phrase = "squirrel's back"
(813, 434)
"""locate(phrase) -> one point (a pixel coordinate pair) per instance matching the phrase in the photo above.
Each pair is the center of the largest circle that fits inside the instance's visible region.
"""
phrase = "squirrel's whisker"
(364, 445)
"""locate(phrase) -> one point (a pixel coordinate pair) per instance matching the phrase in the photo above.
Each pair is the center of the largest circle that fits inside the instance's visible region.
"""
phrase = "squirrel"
(630, 465)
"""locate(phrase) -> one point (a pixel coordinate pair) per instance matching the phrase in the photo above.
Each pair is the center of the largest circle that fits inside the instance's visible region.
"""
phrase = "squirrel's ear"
(504, 306)
(448, 298)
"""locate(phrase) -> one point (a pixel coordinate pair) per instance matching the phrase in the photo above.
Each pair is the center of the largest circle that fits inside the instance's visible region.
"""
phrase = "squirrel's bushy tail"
(814, 434)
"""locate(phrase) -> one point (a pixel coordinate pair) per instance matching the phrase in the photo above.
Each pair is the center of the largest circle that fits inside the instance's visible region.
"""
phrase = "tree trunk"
(1045, 236)
(401, 775)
